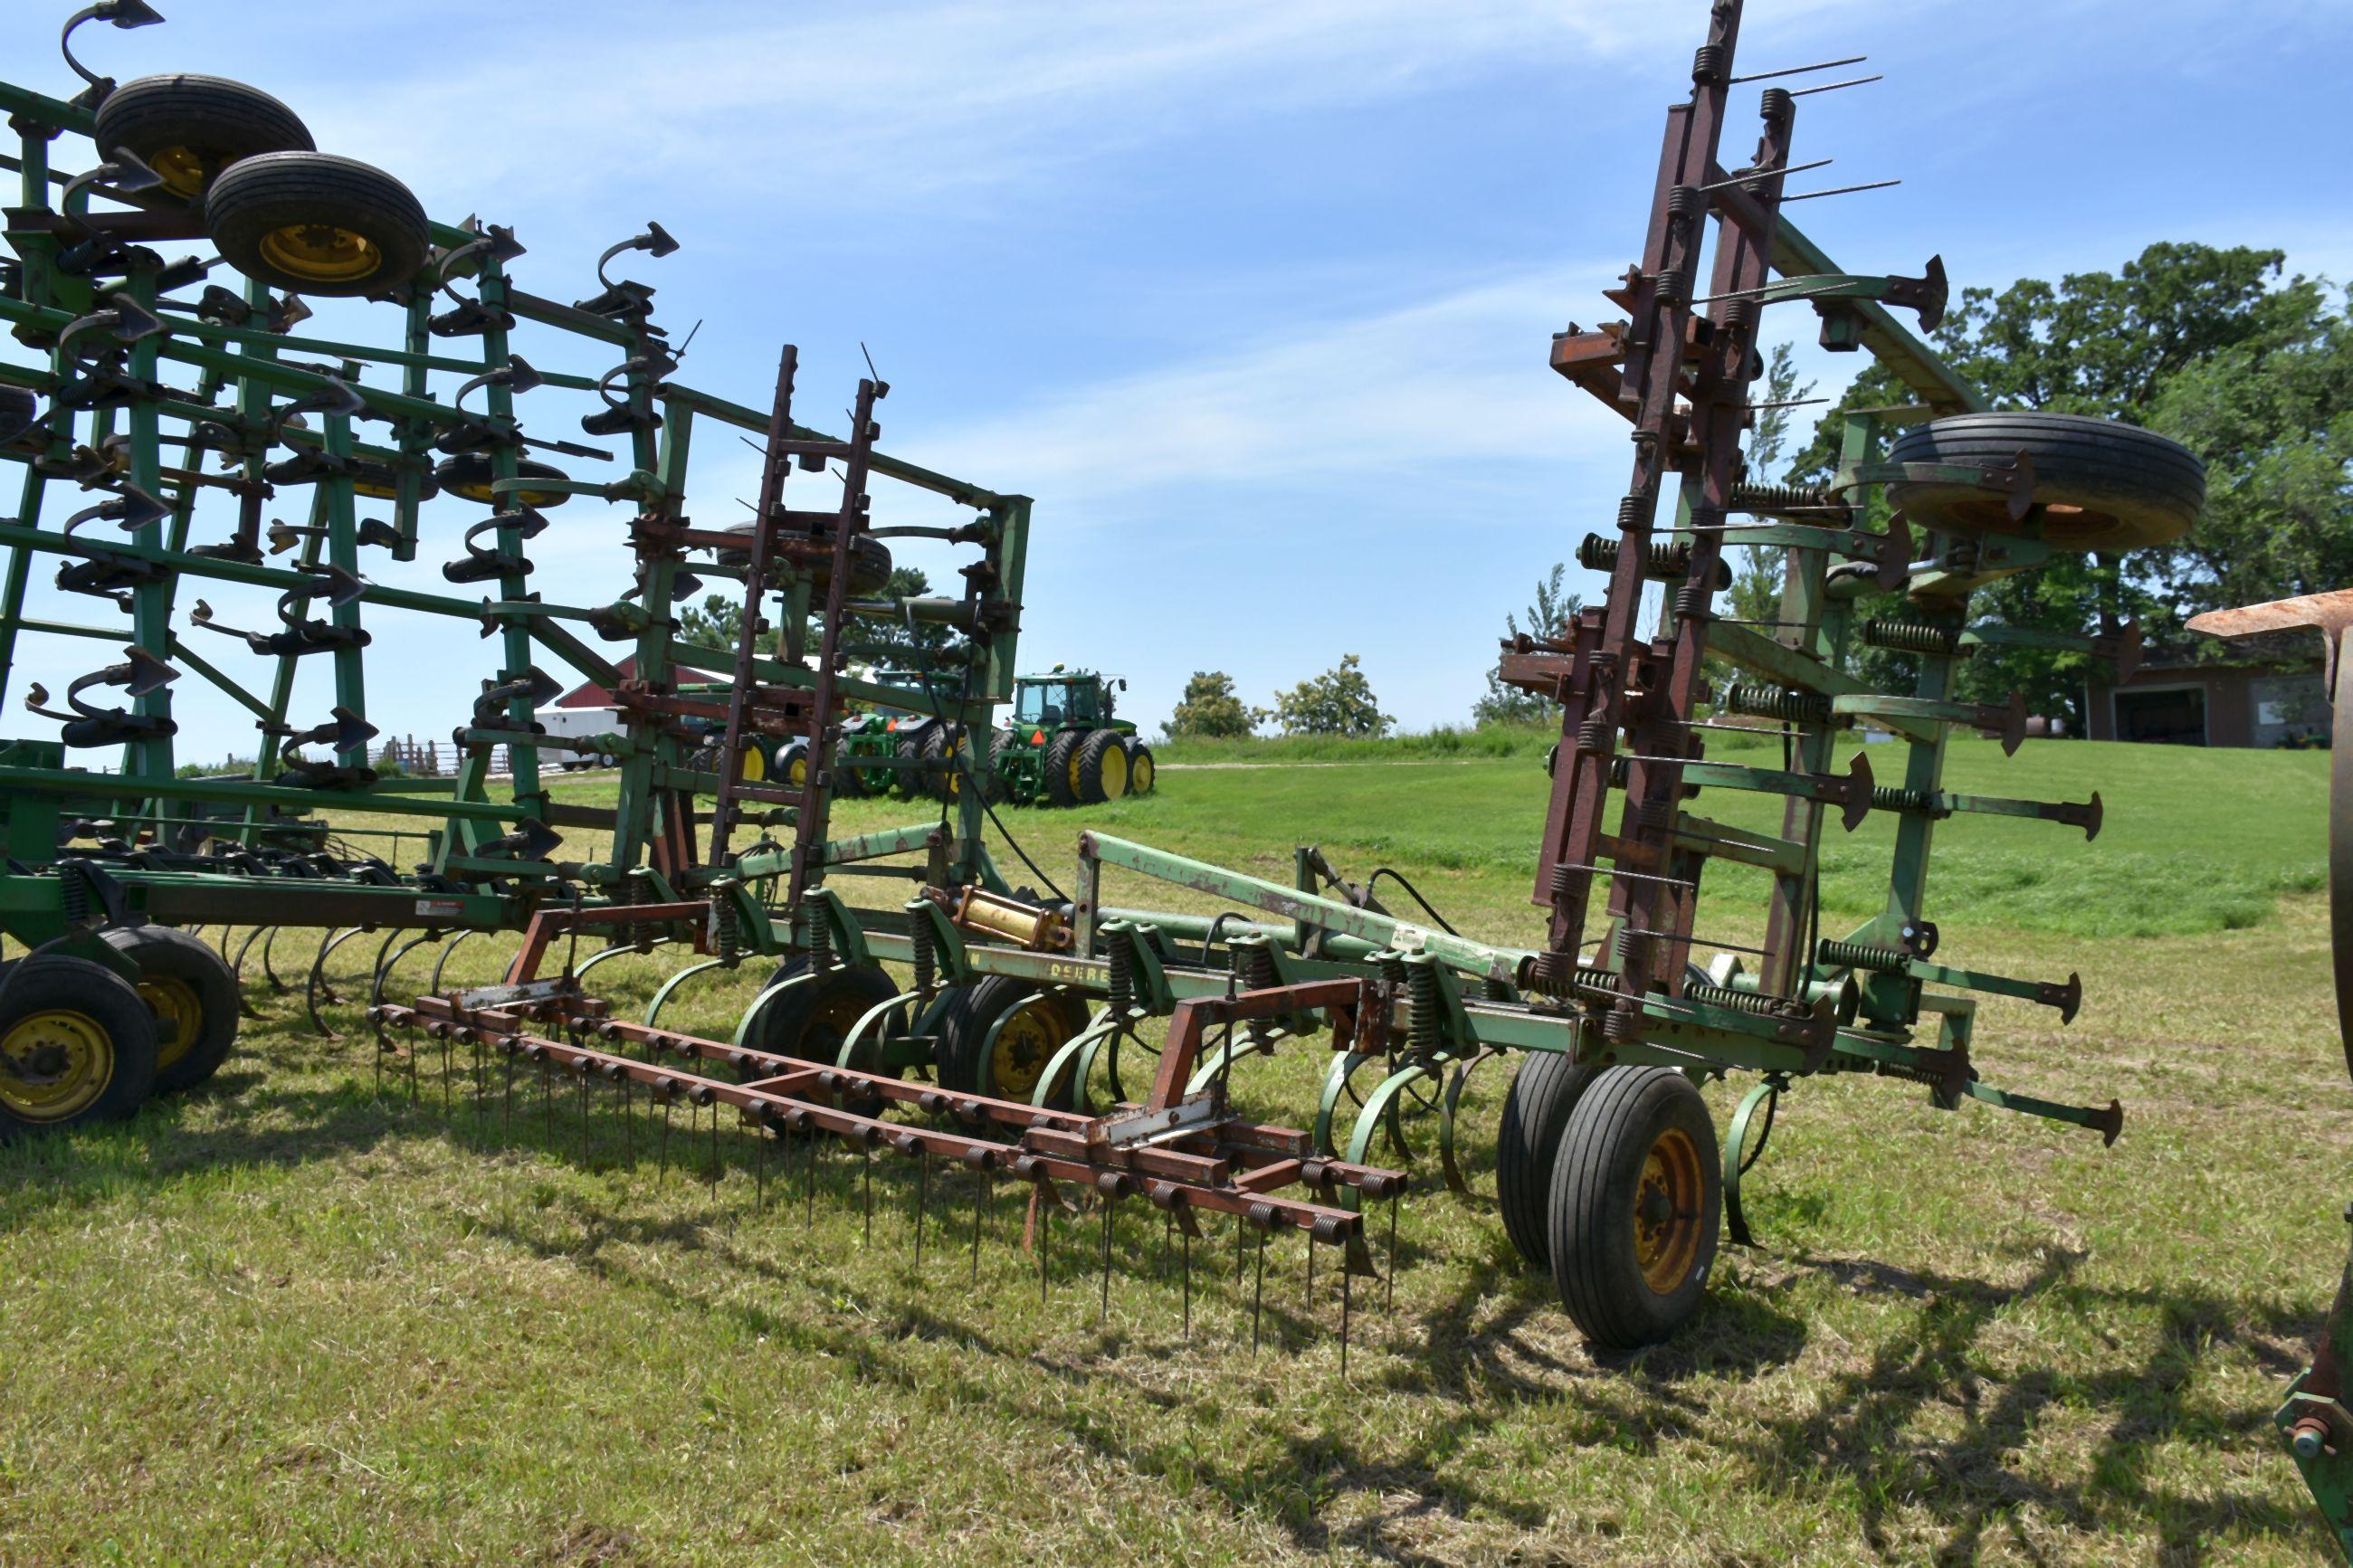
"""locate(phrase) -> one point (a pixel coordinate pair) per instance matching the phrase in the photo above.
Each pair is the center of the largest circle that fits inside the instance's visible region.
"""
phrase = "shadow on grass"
(1917, 1433)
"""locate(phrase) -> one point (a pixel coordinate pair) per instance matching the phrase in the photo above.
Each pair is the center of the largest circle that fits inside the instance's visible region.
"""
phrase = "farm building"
(2258, 691)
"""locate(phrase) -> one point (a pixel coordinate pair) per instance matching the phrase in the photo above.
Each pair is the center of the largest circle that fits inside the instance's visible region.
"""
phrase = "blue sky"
(1253, 299)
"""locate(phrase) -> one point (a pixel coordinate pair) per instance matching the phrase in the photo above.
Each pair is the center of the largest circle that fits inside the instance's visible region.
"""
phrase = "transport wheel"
(192, 995)
(2102, 485)
(316, 223)
(792, 764)
(1102, 767)
(189, 128)
(1141, 773)
(811, 1021)
(1636, 1201)
(755, 764)
(469, 474)
(1062, 786)
(1545, 1089)
(77, 1044)
(1037, 1024)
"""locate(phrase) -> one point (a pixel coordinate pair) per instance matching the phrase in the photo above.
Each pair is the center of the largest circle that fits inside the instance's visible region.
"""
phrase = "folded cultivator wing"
(969, 1023)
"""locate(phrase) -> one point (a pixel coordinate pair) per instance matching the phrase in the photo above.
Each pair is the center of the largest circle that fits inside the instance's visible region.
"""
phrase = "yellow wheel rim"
(1026, 1041)
(1667, 1212)
(179, 1015)
(755, 764)
(182, 170)
(1139, 777)
(57, 1062)
(829, 1024)
(321, 253)
(798, 776)
(1114, 769)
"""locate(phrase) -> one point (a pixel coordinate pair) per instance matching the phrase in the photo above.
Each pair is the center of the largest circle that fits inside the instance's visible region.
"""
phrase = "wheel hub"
(1666, 1211)
(322, 252)
(53, 1065)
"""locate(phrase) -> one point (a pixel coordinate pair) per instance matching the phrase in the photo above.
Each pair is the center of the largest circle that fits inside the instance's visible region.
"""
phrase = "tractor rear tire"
(1637, 1199)
(943, 762)
(848, 783)
(192, 995)
(1141, 770)
(316, 223)
(1062, 785)
(1102, 767)
(1038, 1024)
(77, 1044)
(2101, 485)
(1536, 1113)
(792, 765)
(907, 781)
(189, 128)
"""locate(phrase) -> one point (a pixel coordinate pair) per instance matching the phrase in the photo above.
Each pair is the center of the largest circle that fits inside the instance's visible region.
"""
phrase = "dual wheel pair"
(1607, 1178)
(1089, 767)
(78, 1043)
(994, 1037)
(279, 210)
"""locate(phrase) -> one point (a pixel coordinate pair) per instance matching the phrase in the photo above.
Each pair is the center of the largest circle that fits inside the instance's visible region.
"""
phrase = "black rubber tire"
(2103, 485)
(1591, 1222)
(18, 409)
(1062, 757)
(1143, 770)
(1102, 767)
(908, 781)
(942, 779)
(848, 783)
(257, 196)
(60, 983)
(470, 475)
(162, 954)
(791, 754)
(189, 128)
(964, 1035)
(811, 1021)
(870, 564)
(1543, 1091)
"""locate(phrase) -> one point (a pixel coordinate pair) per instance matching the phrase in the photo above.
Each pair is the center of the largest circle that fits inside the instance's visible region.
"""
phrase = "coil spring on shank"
(1864, 955)
(726, 935)
(1753, 1002)
(924, 959)
(1426, 1018)
(1776, 703)
(1119, 942)
(1912, 637)
(1888, 797)
(1768, 498)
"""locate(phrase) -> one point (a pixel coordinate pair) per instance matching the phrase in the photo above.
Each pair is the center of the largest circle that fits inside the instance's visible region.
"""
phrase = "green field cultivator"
(969, 1021)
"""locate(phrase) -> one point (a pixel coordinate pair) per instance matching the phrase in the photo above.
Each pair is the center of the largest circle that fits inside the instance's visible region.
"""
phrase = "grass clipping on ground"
(306, 1317)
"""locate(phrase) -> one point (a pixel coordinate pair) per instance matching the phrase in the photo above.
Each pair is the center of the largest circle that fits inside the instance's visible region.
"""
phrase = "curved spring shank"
(1074, 1048)
(312, 995)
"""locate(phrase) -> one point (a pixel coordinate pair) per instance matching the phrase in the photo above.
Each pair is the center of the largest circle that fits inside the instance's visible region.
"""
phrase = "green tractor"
(1064, 746)
(894, 750)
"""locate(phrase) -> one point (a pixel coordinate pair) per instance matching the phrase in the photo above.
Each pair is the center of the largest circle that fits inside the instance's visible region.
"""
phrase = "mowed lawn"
(309, 1315)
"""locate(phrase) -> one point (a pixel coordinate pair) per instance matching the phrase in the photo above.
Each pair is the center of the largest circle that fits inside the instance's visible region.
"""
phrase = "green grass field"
(299, 1318)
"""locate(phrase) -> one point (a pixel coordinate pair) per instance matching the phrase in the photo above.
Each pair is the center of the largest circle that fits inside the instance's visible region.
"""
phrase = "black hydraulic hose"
(1413, 892)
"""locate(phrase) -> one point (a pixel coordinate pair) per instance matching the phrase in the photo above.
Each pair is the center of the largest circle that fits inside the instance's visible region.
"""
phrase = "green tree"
(2250, 370)
(1210, 710)
(1756, 578)
(1340, 702)
(1547, 615)
(719, 619)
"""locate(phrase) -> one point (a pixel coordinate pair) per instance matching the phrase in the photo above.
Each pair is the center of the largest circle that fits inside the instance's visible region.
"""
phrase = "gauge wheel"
(1062, 785)
(1637, 1197)
(316, 223)
(469, 474)
(998, 1042)
(1102, 767)
(77, 1044)
(2098, 484)
(192, 995)
(189, 128)
(1142, 771)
